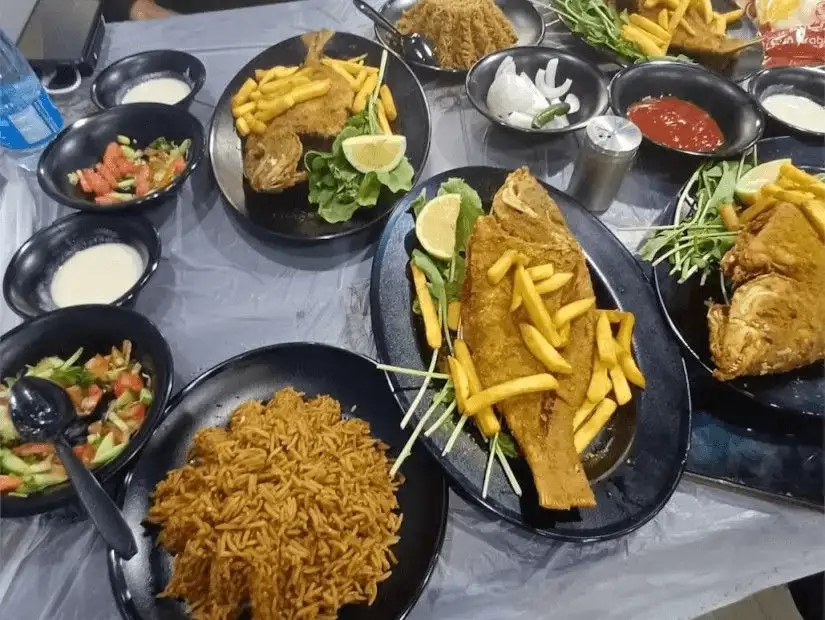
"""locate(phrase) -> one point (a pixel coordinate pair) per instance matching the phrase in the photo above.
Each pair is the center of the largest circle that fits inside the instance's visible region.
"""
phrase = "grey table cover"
(219, 291)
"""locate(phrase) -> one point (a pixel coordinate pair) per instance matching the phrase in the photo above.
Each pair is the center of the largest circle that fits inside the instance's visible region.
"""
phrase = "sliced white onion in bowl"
(573, 102)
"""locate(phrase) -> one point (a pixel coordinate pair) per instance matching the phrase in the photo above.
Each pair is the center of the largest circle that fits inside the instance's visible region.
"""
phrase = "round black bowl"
(803, 81)
(589, 84)
(116, 79)
(26, 284)
(97, 329)
(737, 113)
(81, 145)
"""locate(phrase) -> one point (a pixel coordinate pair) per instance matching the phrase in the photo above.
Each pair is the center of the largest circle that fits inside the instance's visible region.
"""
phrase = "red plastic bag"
(793, 31)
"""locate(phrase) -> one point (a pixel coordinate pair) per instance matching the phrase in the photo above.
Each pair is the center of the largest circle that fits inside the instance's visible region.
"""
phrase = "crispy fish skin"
(541, 423)
(776, 318)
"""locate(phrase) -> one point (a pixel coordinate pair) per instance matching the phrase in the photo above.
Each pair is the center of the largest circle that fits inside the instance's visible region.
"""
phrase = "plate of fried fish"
(718, 34)
(318, 136)
(740, 273)
(528, 356)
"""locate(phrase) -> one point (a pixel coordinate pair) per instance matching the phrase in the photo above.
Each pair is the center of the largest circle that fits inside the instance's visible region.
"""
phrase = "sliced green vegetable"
(107, 450)
(549, 113)
(146, 397)
(13, 464)
(124, 140)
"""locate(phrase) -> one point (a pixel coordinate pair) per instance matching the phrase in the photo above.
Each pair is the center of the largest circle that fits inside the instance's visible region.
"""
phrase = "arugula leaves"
(340, 190)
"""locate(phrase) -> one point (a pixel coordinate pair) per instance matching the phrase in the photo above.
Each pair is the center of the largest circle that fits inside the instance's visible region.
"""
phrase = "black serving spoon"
(41, 411)
(413, 47)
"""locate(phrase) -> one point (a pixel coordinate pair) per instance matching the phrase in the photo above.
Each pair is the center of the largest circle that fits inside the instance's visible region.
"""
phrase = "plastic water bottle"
(28, 118)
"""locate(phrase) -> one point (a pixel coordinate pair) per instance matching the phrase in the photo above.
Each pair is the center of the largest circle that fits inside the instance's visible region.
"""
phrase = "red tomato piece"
(107, 175)
(136, 412)
(96, 182)
(85, 452)
(84, 184)
(9, 483)
(33, 449)
(98, 366)
(128, 381)
(178, 165)
(142, 184)
(90, 401)
(124, 167)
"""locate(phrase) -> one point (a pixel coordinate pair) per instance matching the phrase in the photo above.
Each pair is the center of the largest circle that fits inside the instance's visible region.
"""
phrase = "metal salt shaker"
(608, 148)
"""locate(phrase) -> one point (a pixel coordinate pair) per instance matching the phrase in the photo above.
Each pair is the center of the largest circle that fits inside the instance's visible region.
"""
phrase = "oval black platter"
(637, 489)
(210, 399)
(288, 215)
(796, 392)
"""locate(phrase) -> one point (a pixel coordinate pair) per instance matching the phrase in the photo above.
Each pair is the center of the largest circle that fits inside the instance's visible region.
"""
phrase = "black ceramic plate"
(97, 329)
(800, 391)
(527, 23)
(210, 399)
(803, 81)
(288, 215)
(747, 62)
(26, 284)
(115, 80)
(629, 491)
(81, 145)
(737, 113)
(589, 84)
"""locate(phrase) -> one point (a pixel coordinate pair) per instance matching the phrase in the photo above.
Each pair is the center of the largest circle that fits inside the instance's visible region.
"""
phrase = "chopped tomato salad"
(114, 383)
(126, 172)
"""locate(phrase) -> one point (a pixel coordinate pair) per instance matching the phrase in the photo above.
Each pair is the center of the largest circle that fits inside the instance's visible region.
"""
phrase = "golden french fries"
(763, 204)
(535, 307)
(620, 387)
(275, 73)
(729, 217)
(335, 66)
(662, 19)
(354, 67)
(432, 327)
(242, 96)
(631, 370)
(313, 90)
(604, 342)
(599, 383)
(614, 316)
(360, 101)
(588, 431)
(543, 351)
(553, 283)
(242, 127)
(650, 27)
(515, 304)
(625, 335)
(720, 26)
(707, 10)
(255, 125)
(485, 418)
(453, 315)
(646, 42)
(461, 383)
(541, 272)
(284, 85)
(267, 110)
(382, 119)
(515, 387)
(359, 81)
(803, 180)
(733, 16)
(678, 14)
(244, 109)
(582, 414)
(795, 197)
(683, 23)
(499, 269)
(389, 103)
(256, 95)
(573, 310)
(814, 210)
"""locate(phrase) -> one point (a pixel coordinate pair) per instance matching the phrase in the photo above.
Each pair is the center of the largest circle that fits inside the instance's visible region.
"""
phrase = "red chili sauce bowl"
(677, 123)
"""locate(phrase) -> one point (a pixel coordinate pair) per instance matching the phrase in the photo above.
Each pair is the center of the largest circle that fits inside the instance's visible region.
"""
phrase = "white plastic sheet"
(219, 291)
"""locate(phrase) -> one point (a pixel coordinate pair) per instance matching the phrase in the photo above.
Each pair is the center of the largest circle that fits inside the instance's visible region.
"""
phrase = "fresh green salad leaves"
(340, 190)
(698, 242)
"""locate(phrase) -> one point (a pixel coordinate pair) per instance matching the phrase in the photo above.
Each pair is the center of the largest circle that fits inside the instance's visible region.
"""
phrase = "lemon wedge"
(435, 225)
(749, 184)
(379, 153)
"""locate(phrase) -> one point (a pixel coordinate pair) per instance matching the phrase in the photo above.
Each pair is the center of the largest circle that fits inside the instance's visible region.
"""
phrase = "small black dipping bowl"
(736, 112)
(589, 84)
(803, 81)
(81, 145)
(97, 329)
(115, 80)
(27, 282)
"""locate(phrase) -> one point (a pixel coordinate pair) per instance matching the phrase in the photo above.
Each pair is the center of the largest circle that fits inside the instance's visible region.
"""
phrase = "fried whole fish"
(272, 161)
(542, 424)
(776, 319)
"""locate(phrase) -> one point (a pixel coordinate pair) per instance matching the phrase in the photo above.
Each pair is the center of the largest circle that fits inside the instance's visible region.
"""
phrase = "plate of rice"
(266, 493)
(463, 31)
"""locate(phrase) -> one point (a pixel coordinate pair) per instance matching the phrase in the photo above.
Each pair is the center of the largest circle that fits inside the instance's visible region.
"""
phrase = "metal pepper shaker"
(608, 148)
